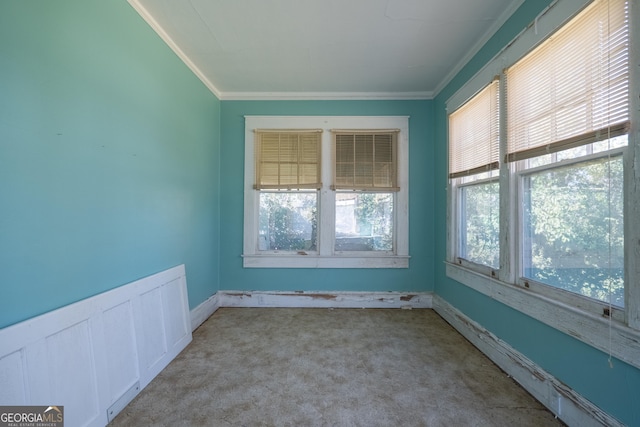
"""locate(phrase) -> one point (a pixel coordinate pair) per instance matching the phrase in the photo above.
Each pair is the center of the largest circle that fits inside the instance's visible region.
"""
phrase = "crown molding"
(323, 96)
(318, 96)
(148, 18)
(499, 22)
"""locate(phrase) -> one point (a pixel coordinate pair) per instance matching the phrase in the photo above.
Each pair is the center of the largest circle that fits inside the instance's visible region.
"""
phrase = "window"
(570, 96)
(473, 164)
(550, 214)
(288, 167)
(572, 228)
(365, 183)
(326, 192)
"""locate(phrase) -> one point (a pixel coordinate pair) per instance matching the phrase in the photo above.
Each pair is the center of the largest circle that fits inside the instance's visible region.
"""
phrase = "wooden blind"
(573, 89)
(365, 160)
(474, 134)
(288, 159)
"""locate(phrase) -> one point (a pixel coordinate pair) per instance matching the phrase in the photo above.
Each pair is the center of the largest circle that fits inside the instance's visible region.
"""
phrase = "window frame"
(607, 328)
(519, 175)
(326, 256)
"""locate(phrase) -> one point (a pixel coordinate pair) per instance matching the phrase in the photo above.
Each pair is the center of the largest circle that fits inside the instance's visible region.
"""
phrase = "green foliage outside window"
(573, 229)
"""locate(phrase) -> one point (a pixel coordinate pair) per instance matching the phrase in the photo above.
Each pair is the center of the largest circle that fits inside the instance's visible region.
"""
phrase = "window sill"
(316, 261)
(608, 336)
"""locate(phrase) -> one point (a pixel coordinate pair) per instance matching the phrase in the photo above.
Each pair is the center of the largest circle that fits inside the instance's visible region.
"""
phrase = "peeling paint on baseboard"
(325, 299)
(566, 403)
(318, 296)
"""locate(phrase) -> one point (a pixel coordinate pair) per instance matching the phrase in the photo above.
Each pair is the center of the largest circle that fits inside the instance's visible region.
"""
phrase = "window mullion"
(508, 211)
(632, 179)
(632, 231)
(452, 219)
(326, 200)
(355, 160)
(279, 160)
(461, 242)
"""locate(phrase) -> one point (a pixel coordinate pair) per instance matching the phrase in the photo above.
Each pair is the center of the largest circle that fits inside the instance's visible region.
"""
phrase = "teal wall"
(110, 171)
(419, 277)
(109, 149)
(583, 368)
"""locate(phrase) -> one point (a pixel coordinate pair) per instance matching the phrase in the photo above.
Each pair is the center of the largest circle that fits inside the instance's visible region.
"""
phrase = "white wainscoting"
(94, 356)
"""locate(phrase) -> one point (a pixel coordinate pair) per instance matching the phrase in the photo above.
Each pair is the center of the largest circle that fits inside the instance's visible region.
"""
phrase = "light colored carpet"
(323, 367)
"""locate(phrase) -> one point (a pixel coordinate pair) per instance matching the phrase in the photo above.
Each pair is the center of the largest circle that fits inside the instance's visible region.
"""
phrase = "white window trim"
(327, 257)
(570, 313)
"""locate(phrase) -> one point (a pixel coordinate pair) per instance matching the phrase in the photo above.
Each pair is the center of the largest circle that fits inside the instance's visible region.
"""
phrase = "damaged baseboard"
(301, 299)
(405, 300)
(569, 406)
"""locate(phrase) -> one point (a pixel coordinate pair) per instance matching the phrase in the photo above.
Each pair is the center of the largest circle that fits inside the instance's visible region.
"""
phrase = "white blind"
(365, 160)
(474, 134)
(288, 159)
(573, 89)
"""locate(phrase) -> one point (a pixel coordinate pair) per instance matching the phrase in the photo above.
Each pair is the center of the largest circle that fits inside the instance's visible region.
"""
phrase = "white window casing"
(326, 256)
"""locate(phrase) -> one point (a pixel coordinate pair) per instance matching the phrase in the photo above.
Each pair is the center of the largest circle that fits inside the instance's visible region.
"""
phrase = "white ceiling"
(325, 49)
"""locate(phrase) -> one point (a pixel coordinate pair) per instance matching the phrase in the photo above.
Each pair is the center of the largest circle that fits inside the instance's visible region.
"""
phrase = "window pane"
(573, 229)
(364, 222)
(480, 228)
(287, 221)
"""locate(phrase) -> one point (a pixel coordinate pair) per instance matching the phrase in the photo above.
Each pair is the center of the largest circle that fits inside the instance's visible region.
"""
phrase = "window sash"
(573, 89)
(474, 134)
(288, 221)
(368, 226)
(487, 210)
(365, 160)
(288, 159)
(552, 243)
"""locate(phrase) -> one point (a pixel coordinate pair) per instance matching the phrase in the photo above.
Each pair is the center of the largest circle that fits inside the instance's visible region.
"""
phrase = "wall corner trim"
(569, 406)
(203, 311)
